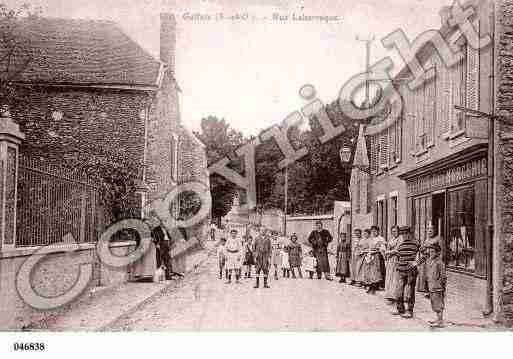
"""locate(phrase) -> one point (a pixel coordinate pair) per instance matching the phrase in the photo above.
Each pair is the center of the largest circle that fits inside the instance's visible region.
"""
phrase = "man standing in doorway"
(319, 239)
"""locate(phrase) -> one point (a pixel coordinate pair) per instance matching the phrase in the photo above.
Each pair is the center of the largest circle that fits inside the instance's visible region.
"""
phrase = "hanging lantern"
(345, 154)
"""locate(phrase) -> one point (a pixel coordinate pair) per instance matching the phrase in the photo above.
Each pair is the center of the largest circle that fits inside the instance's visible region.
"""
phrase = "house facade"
(89, 99)
(435, 164)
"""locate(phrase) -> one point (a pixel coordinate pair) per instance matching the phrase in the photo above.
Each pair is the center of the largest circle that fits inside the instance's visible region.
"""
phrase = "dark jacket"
(319, 241)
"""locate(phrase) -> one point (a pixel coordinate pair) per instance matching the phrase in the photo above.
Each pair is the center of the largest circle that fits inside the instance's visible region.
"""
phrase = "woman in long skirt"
(373, 272)
(343, 257)
(364, 247)
(391, 256)
(355, 256)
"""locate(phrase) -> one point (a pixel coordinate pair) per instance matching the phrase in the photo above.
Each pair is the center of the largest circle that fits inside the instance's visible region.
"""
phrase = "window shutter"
(374, 153)
(399, 139)
(392, 143)
(472, 92)
(419, 123)
(430, 100)
(383, 150)
(445, 110)
(474, 127)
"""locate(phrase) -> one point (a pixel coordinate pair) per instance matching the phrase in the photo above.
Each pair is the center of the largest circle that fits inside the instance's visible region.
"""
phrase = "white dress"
(285, 260)
(233, 253)
(309, 264)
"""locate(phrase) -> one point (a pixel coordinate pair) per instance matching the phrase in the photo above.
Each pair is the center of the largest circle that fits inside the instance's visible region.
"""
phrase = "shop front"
(451, 194)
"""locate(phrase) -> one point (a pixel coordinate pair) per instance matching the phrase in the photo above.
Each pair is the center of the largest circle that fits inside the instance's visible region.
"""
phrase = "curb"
(142, 303)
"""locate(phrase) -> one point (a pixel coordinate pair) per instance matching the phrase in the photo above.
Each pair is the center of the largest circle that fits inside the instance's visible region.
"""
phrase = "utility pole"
(368, 44)
(286, 199)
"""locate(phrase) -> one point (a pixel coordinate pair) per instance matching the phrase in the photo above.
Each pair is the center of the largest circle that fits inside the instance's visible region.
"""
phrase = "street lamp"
(345, 154)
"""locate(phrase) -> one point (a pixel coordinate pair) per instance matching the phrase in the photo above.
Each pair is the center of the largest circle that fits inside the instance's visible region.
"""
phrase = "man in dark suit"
(319, 239)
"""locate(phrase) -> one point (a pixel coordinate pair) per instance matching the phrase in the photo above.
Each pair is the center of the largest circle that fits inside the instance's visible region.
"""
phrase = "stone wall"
(504, 162)
(52, 276)
(68, 124)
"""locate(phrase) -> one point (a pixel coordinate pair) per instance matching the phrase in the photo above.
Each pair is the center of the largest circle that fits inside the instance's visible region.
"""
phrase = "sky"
(249, 72)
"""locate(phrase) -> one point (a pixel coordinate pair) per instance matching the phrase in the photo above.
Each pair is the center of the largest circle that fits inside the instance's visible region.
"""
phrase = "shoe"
(257, 284)
(396, 312)
(437, 324)
(352, 283)
(407, 315)
(265, 283)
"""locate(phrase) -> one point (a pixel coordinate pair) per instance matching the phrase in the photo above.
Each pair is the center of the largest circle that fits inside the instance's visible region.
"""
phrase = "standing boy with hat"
(262, 255)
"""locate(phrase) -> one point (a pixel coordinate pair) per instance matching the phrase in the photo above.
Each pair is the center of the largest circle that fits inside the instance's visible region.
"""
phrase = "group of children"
(398, 266)
(286, 259)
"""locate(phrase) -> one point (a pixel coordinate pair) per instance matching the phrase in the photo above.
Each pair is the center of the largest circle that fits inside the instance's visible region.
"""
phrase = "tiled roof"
(82, 52)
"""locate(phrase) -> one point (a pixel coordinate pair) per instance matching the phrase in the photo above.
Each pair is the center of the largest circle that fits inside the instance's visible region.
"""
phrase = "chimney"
(445, 15)
(168, 40)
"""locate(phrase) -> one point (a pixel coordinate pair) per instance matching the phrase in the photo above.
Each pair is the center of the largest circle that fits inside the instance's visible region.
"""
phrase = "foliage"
(220, 140)
(15, 52)
(314, 182)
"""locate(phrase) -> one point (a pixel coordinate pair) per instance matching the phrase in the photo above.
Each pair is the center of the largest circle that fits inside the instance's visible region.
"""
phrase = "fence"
(54, 204)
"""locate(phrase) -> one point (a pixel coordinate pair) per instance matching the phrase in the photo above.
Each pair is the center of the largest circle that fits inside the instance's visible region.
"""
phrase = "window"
(421, 216)
(459, 84)
(460, 246)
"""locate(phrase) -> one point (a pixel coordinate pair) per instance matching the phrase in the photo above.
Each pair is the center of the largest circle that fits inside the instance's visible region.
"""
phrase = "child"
(160, 274)
(437, 280)
(295, 256)
(285, 262)
(310, 264)
(222, 258)
(276, 254)
(248, 256)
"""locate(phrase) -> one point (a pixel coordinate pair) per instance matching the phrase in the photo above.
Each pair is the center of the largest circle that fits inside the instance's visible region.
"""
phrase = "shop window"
(460, 246)
(421, 217)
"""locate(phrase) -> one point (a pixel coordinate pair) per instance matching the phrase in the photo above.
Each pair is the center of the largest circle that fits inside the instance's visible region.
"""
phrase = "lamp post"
(345, 158)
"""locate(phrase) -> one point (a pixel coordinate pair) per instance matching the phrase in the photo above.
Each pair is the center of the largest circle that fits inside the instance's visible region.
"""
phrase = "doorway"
(438, 216)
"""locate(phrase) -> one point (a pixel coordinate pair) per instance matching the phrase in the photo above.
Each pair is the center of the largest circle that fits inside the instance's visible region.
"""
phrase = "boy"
(222, 258)
(262, 254)
(437, 281)
(407, 272)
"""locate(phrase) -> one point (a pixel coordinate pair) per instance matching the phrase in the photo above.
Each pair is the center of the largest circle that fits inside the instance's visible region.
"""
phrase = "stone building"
(89, 97)
(434, 164)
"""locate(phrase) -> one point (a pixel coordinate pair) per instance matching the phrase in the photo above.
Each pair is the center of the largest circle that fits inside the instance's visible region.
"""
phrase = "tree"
(15, 52)
(221, 141)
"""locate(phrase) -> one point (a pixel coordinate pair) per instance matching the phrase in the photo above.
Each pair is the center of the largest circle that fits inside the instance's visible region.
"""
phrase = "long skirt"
(355, 266)
(233, 260)
(391, 279)
(342, 264)
(360, 269)
(276, 258)
(422, 279)
(372, 270)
